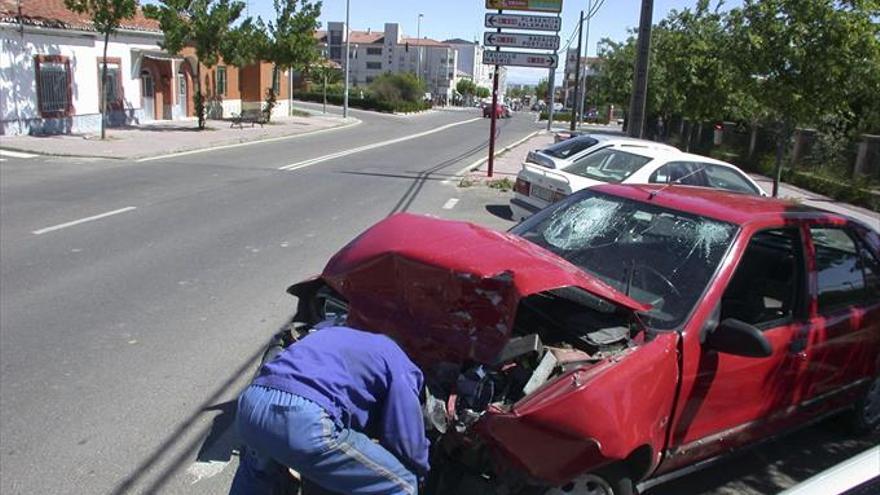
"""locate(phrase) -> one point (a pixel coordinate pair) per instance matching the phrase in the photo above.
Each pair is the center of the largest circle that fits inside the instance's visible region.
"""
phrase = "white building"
(376, 52)
(50, 66)
(470, 62)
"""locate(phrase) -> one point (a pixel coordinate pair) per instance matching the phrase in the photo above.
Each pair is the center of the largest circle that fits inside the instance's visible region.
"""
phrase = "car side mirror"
(739, 338)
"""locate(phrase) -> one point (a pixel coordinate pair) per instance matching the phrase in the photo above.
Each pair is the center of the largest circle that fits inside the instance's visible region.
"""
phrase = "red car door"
(844, 333)
(729, 400)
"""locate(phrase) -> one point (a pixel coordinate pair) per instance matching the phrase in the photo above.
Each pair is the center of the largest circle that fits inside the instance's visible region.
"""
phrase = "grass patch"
(465, 182)
(299, 113)
(502, 185)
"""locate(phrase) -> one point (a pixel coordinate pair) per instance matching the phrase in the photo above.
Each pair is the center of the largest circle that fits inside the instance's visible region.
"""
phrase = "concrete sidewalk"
(509, 162)
(167, 137)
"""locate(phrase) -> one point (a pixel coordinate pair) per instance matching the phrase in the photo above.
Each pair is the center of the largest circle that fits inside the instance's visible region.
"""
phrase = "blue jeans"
(284, 430)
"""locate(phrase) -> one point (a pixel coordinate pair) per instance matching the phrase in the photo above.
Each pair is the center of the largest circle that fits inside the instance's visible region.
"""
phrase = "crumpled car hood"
(448, 290)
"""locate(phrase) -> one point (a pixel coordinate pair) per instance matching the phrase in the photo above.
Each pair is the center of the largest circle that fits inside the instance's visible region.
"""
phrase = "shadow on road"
(501, 211)
(416, 187)
(217, 441)
(776, 465)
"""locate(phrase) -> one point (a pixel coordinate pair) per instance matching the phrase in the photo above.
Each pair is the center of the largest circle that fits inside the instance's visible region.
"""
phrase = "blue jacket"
(363, 380)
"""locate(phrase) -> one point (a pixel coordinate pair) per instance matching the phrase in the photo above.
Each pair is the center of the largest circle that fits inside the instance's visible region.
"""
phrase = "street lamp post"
(419, 47)
(347, 58)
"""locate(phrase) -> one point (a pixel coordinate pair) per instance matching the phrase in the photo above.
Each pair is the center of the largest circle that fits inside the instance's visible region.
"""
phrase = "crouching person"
(318, 405)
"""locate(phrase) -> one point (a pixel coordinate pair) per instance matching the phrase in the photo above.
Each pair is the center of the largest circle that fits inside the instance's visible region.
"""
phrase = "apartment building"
(376, 52)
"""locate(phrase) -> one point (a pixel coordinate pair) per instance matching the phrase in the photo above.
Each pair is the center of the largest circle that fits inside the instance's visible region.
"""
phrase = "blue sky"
(446, 19)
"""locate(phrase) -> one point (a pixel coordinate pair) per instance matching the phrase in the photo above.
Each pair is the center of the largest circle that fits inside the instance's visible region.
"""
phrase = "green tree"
(107, 16)
(482, 92)
(291, 43)
(466, 88)
(542, 90)
(206, 25)
(802, 59)
(326, 72)
(395, 88)
(691, 78)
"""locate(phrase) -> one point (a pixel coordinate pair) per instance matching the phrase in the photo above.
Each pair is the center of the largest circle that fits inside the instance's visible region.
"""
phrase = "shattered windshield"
(657, 256)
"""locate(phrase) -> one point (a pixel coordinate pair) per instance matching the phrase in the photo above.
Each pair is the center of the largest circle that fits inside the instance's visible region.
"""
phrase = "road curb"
(461, 174)
(144, 158)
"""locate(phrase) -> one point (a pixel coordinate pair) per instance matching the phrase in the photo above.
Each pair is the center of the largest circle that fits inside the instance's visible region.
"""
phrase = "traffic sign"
(523, 21)
(533, 5)
(518, 40)
(521, 59)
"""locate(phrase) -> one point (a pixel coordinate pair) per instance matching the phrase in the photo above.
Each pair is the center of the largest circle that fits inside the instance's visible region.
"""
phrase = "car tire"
(866, 416)
(610, 481)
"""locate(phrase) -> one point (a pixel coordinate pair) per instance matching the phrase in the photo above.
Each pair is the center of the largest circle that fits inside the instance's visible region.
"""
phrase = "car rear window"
(608, 165)
(570, 147)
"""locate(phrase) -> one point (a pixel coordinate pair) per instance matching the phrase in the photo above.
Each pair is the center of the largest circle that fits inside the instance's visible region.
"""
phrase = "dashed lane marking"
(450, 203)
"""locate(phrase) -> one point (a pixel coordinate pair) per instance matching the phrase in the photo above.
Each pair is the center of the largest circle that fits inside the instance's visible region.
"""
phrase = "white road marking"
(16, 154)
(202, 470)
(248, 143)
(340, 154)
(477, 163)
(84, 220)
(450, 203)
(2, 159)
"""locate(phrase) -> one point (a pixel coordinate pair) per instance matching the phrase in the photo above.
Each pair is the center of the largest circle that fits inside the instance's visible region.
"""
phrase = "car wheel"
(610, 482)
(866, 417)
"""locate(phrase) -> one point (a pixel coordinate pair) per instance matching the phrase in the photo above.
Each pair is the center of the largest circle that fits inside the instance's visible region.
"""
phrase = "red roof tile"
(53, 13)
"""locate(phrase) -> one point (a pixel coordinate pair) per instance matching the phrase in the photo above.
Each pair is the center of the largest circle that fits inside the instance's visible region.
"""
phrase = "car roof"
(737, 208)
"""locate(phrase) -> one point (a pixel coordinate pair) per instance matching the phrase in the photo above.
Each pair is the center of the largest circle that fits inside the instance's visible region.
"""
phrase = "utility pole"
(591, 11)
(636, 117)
(577, 77)
(347, 57)
(419, 47)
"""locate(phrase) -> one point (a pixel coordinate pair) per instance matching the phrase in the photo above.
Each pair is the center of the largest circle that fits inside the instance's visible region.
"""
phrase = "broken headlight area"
(554, 333)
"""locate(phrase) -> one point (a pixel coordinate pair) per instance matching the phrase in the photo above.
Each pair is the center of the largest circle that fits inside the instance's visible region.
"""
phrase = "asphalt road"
(124, 340)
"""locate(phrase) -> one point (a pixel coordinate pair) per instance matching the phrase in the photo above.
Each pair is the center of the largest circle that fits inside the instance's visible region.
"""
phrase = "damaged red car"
(620, 337)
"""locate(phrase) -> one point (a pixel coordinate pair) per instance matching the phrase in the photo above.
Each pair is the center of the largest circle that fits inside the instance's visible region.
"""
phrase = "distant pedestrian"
(318, 405)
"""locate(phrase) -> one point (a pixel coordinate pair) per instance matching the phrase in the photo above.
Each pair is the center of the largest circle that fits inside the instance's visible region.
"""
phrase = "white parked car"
(537, 187)
(563, 153)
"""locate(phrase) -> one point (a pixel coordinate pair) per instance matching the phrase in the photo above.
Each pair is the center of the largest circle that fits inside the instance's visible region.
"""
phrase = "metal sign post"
(520, 40)
(493, 113)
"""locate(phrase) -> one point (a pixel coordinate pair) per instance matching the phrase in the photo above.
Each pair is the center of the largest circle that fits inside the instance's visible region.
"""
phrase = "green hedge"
(845, 192)
(366, 103)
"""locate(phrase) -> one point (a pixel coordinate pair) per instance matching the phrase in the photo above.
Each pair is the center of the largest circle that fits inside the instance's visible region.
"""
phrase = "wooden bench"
(254, 118)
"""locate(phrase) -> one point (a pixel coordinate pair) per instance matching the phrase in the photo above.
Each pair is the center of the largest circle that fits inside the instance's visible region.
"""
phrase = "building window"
(374, 51)
(276, 80)
(113, 89)
(221, 80)
(336, 45)
(374, 65)
(370, 80)
(53, 85)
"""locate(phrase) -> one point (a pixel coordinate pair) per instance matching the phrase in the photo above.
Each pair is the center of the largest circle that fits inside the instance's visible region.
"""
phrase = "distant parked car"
(537, 187)
(566, 151)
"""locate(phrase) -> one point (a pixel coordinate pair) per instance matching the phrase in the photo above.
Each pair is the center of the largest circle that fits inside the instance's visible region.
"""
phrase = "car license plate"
(542, 193)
